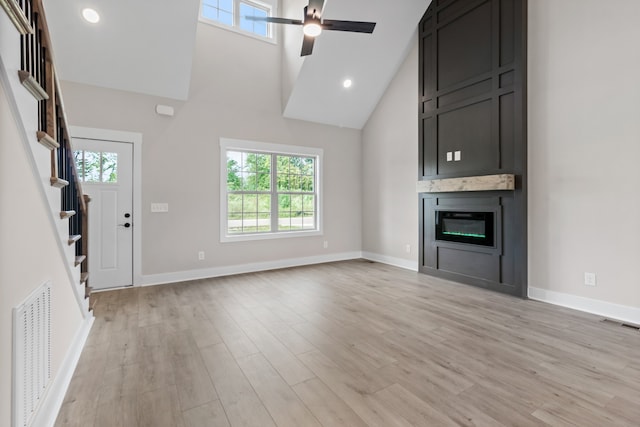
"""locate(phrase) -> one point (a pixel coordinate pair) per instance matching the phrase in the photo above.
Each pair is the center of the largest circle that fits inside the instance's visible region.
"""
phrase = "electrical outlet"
(407, 249)
(590, 279)
(325, 244)
(201, 256)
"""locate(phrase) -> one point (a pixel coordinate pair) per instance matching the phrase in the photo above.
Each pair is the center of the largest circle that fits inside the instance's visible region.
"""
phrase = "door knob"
(127, 215)
(125, 225)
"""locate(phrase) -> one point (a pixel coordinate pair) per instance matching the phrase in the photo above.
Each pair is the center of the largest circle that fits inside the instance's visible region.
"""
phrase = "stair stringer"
(24, 109)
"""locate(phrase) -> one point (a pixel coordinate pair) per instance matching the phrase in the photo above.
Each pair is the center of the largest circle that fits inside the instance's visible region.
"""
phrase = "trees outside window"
(97, 166)
(270, 192)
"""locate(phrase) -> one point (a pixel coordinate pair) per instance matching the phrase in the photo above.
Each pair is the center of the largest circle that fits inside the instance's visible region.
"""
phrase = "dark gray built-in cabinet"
(472, 176)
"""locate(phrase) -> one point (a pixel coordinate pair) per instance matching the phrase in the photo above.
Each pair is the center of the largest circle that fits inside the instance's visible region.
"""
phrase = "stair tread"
(58, 182)
(74, 238)
(84, 276)
(32, 85)
(79, 259)
(18, 17)
(47, 140)
(67, 214)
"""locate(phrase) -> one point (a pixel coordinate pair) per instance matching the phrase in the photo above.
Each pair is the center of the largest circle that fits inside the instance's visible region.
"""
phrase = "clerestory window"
(233, 14)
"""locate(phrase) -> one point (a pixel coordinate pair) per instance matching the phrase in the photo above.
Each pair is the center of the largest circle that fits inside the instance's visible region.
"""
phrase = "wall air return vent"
(31, 354)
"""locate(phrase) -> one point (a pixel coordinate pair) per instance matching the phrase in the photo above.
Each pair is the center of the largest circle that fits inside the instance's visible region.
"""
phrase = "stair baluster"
(39, 78)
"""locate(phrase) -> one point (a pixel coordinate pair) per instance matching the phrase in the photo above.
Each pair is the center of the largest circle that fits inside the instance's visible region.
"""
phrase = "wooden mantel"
(467, 183)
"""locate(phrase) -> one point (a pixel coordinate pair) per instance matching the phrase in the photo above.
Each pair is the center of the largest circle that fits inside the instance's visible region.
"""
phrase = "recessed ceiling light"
(90, 15)
(347, 83)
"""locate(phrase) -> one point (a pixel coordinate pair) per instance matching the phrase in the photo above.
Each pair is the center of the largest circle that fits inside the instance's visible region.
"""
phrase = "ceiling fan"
(313, 24)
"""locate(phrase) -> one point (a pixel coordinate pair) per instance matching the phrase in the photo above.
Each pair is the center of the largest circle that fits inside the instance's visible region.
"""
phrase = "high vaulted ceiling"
(155, 41)
(143, 46)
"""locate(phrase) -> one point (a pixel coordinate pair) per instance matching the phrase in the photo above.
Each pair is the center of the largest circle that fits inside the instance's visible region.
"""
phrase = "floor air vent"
(31, 354)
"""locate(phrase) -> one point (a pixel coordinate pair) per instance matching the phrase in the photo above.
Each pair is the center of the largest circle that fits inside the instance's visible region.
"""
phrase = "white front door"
(106, 173)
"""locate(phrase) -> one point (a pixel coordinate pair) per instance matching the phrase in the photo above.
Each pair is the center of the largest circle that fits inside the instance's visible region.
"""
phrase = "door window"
(96, 166)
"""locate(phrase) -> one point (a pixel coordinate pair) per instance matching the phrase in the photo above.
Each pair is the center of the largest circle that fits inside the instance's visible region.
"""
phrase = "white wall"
(235, 93)
(29, 254)
(390, 169)
(584, 144)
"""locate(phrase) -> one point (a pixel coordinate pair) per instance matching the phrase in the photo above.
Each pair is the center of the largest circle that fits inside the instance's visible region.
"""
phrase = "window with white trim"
(268, 190)
(233, 13)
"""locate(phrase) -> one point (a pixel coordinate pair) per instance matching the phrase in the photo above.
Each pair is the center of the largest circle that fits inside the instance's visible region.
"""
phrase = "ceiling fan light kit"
(313, 24)
(312, 29)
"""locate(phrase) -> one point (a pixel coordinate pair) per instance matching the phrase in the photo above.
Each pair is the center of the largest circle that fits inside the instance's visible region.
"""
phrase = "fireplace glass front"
(475, 228)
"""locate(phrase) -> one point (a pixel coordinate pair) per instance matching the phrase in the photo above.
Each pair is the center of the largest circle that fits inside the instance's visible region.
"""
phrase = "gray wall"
(235, 93)
(390, 164)
(584, 141)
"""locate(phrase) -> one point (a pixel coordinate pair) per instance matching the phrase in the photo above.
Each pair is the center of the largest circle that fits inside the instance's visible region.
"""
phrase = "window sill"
(270, 40)
(269, 236)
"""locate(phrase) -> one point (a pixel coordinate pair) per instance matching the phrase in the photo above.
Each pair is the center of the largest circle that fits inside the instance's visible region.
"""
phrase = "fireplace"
(476, 228)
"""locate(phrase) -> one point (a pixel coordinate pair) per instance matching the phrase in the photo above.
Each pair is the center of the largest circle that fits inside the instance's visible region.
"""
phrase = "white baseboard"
(609, 310)
(52, 402)
(206, 273)
(396, 262)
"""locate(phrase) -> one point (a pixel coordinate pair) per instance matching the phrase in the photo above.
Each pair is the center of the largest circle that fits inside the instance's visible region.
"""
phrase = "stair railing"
(38, 76)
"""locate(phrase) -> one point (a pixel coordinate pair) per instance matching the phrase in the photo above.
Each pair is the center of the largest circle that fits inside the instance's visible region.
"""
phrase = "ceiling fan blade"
(316, 5)
(353, 26)
(274, 20)
(307, 45)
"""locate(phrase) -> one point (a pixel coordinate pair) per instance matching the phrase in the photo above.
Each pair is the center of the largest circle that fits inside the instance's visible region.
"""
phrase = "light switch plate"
(449, 156)
(457, 156)
(159, 207)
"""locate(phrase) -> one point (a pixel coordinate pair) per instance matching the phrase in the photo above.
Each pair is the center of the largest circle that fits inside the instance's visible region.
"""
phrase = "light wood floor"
(348, 344)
